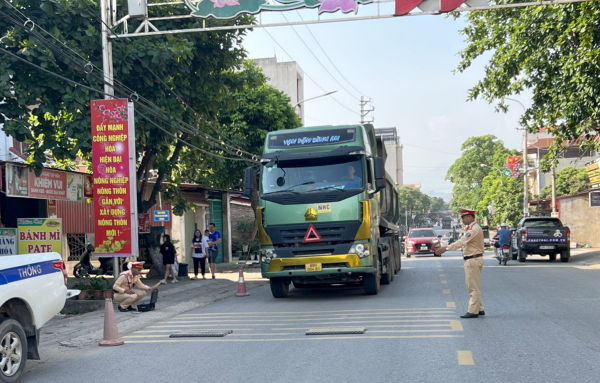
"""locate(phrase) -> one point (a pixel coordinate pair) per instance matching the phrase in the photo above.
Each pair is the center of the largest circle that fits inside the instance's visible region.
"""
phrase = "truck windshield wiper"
(303, 183)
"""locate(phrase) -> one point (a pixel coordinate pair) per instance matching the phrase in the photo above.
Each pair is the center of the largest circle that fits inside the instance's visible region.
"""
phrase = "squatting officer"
(472, 247)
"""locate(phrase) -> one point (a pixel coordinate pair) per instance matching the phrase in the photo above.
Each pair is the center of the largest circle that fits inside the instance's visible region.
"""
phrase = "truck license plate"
(311, 267)
(546, 247)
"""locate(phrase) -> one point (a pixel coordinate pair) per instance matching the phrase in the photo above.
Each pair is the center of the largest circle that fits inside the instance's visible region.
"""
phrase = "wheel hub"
(11, 351)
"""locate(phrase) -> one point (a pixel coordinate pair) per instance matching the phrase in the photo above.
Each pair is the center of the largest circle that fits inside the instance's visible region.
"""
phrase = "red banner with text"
(112, 192)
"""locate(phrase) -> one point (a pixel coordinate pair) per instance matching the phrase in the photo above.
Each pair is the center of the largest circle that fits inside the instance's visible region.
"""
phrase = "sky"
(405, 65)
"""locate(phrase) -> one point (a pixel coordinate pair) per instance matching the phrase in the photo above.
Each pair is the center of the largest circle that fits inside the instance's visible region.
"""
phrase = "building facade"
(288, 77)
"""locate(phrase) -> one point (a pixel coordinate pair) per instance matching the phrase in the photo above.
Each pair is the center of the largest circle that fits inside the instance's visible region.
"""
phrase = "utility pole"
(364, 111)
(553, 192)
(109, 90)
(525, 165)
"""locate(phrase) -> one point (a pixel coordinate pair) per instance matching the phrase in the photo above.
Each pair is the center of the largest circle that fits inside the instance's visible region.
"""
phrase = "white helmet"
(503, 225)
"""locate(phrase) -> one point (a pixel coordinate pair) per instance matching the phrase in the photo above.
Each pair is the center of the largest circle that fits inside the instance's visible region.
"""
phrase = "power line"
(326, 55)
(131, 93)
(106, 94)
(319, 61)
(307, 75)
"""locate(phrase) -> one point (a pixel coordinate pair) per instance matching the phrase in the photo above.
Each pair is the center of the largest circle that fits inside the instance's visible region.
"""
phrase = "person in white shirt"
(199, 246)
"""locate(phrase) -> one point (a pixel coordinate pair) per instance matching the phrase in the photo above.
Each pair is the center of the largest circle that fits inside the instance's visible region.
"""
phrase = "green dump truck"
(326, 212)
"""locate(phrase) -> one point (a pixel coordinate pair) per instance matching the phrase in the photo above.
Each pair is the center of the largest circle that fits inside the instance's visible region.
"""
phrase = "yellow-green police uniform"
(472, 247)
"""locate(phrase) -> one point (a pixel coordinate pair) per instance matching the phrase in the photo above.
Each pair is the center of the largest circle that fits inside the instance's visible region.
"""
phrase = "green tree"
(504, 197)
(551, 51)
(412, 201)
(205, 69)
(568, 181)
(466, 172)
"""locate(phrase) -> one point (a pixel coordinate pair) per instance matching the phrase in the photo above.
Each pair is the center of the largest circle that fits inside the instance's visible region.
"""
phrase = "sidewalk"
(173, 299)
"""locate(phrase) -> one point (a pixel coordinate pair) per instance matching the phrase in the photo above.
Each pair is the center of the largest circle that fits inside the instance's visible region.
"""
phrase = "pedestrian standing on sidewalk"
(125, 294)
(199, 246)
(214, 239)
(472, 246)
(167, 249)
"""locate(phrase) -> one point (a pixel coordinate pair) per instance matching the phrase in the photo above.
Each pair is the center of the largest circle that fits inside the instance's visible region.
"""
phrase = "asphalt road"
(542, 325)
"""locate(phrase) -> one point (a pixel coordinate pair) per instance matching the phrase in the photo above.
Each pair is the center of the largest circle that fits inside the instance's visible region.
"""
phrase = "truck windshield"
(315, 175)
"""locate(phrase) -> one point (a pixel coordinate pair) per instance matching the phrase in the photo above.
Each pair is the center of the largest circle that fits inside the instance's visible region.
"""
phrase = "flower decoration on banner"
(223, 3)
(229, 9)
(512, 164)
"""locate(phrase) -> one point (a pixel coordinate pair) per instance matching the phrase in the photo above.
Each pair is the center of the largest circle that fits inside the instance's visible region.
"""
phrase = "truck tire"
(279, 287)
(552, 257)
(388, 277)
(13, 350)
(565, 255)
(522, 255)
(371, 281)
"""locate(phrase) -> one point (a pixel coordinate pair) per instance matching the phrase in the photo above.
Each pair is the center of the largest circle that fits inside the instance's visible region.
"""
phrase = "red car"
(421, 241)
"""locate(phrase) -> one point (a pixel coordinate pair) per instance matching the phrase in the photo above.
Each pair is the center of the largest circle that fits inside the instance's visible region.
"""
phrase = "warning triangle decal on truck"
(312, 235)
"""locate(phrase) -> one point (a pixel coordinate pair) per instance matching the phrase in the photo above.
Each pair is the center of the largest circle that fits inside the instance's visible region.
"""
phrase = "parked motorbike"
(504, 254)
(85, 267)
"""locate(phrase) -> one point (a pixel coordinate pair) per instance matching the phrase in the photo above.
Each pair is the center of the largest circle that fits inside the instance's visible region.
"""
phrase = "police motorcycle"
(85, 267)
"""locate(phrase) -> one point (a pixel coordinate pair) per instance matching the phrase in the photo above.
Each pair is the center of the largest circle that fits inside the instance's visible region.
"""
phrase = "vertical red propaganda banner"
(113, 159)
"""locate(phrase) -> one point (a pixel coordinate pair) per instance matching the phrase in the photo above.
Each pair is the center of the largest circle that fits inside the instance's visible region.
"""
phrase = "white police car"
(33, 288)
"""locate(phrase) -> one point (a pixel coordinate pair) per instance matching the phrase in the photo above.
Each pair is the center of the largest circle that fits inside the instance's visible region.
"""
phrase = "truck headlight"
(360, 249)
(267, 255)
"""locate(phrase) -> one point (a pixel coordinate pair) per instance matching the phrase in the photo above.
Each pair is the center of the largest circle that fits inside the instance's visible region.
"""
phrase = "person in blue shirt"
(503, 238)
(214, 239)
(354, 181)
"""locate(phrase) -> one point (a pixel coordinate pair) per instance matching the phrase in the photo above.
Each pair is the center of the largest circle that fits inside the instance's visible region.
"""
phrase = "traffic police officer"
(472, 247)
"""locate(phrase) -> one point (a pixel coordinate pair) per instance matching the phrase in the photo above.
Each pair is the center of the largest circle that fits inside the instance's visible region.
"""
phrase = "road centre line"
(440, 270)
(376, 326)
(465, 358)
(324, 312)
(358, 336)
(451, 304)
(442, 275)
(444, 282)
(456, 325)
(446, 291)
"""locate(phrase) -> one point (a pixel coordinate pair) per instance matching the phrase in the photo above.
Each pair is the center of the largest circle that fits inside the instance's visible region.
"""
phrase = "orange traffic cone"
(111, 333)
(241, 286)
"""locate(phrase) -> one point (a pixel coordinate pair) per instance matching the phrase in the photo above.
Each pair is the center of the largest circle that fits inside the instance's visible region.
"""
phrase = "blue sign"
(161, 216)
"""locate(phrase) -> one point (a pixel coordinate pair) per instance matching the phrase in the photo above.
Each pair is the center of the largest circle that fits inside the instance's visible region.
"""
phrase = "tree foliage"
(205, 69)
(466, 172)
(412, 201)
(568, 181)
(502, 200)
(552, 51)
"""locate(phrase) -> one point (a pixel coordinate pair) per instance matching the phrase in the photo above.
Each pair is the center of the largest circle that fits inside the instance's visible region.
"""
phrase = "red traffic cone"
(241, 286)
(111, 333)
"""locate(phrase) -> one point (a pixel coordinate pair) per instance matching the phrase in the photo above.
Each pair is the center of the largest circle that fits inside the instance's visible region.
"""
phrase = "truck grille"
(329, 234)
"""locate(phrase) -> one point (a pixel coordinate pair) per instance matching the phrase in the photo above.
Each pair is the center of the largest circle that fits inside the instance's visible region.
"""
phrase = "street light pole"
(495, 168)
(525, 181)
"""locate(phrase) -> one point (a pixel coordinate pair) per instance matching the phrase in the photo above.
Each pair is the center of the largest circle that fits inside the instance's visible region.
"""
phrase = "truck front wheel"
(279, 287)
(371, 281)
(13, 350)
(565, 255)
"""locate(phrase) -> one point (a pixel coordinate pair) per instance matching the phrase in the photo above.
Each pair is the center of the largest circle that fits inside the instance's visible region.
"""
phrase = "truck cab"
(326, 212)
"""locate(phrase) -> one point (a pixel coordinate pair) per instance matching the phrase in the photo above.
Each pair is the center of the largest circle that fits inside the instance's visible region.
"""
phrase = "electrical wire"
(326, 55)
(179, 98)
(130, 92)
(319, 61)
(109, 95)
(307, 75)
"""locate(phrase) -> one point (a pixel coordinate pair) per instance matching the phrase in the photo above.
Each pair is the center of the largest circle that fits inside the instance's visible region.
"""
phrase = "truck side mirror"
(249, 182)
(379, 168)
